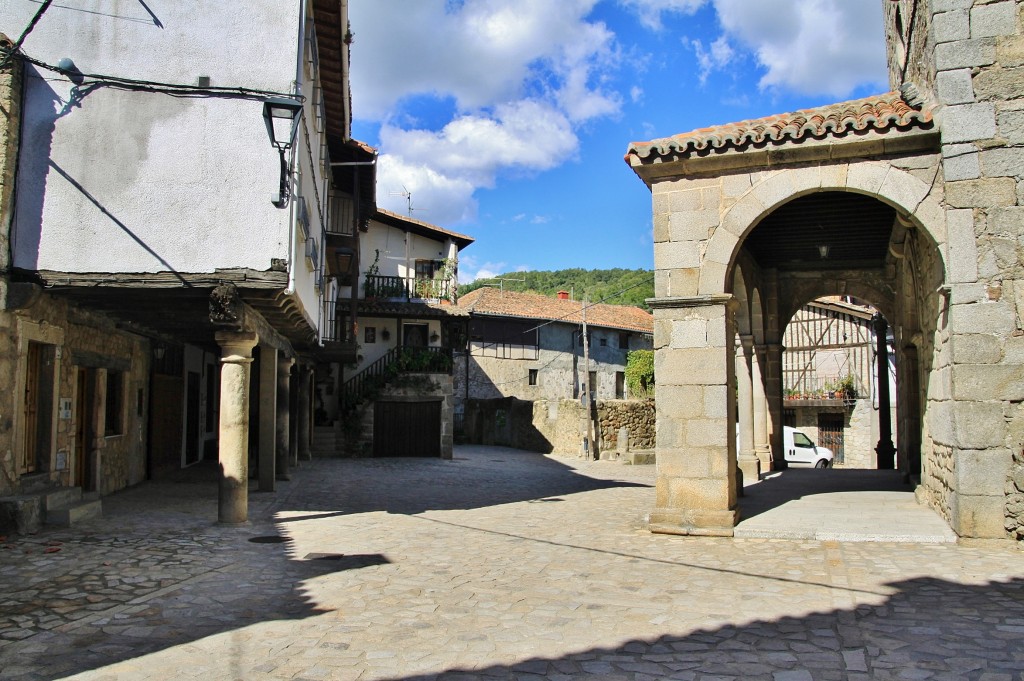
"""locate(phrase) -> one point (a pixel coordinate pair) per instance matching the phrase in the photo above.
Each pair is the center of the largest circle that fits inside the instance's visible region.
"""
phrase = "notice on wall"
(65, 408)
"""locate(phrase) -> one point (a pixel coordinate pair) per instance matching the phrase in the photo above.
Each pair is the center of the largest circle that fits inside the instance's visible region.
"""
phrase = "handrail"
(397, 360)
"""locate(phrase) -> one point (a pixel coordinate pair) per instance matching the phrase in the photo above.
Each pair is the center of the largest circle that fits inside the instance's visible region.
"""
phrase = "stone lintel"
(703, 300)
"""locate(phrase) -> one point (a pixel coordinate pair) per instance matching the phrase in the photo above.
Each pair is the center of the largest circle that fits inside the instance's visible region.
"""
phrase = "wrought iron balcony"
(407, 288)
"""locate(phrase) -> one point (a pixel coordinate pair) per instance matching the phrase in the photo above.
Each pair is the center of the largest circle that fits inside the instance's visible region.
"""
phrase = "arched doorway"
(737, 233)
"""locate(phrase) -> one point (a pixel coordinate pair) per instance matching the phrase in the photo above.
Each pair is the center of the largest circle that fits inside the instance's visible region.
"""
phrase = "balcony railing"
(400, 360)
(406, 288)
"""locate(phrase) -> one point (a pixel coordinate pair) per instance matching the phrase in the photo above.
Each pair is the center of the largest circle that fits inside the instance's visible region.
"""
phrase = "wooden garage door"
(407, 429)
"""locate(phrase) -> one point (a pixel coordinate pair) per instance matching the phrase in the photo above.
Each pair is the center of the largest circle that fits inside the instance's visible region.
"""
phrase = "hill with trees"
(614, 287)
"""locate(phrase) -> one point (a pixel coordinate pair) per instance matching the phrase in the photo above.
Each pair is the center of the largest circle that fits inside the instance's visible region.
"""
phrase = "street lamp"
(282, 117)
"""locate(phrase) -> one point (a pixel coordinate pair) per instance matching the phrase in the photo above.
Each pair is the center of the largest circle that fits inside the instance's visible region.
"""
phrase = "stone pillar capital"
(236, 346)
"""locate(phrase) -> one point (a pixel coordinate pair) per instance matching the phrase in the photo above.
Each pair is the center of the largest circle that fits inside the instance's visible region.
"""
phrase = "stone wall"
(82, 340)
(979, 79)
(558, 425)
(10, 119)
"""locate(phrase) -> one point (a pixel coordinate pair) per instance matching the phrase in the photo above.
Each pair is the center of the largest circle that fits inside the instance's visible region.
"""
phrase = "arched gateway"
(862, 198)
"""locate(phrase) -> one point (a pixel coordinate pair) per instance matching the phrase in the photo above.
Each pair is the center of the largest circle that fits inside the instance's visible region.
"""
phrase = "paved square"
(498, 564)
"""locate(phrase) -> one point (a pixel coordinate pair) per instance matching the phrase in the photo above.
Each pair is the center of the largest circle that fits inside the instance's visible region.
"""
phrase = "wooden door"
(407, 429)
(830, 434)
(37, 408)
(85, 397)
(165, 424)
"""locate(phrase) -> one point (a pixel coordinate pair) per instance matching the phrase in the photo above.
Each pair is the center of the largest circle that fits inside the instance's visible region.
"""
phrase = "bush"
(640, 373)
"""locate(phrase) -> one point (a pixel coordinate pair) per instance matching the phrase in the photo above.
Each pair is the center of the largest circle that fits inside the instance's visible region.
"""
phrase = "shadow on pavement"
(927, 629)
(476, 477)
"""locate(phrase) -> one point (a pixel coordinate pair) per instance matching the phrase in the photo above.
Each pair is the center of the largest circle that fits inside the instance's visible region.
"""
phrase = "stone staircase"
(66, 506)
(326, 442)
(42, 503)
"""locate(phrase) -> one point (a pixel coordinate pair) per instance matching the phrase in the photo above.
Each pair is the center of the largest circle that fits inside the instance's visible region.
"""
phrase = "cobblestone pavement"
(497, 565)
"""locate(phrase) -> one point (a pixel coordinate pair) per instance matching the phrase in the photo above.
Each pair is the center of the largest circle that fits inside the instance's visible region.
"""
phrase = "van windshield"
(801, 440)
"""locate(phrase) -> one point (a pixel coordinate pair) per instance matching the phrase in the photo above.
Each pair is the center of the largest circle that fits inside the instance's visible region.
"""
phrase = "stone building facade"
(530, 346)
(933, 173)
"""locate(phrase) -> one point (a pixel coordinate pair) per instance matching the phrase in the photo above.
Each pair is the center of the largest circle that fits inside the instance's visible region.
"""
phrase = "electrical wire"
(24, 34)
(172, 89)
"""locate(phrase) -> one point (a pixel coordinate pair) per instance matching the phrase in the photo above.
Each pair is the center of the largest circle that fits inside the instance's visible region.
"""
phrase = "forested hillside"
(615, 287)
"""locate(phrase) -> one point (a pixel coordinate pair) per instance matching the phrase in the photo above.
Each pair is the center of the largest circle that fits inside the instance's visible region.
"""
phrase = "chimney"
(563, 295)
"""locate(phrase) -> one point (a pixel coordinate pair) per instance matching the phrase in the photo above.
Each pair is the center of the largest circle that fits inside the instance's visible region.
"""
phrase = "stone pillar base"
(751, 468)
(693, 523)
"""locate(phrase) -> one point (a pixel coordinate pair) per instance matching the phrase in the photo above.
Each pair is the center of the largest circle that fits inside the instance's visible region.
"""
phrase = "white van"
(800, 450)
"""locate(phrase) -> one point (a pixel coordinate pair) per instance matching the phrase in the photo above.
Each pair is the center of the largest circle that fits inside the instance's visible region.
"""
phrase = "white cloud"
(819, 47)
(436, 198)
(716, 59)
(649, 11)
(470, 270)
(521, 75)
(810, 46)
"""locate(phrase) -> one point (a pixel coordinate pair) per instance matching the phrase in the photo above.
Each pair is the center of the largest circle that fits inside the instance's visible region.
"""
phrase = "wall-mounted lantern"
(282, 118)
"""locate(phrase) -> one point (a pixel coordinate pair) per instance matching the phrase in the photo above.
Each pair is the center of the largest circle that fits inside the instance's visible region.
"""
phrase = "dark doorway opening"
(407, 429)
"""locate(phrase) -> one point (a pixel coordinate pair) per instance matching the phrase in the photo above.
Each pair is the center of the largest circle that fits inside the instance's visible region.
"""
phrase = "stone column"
(885, 450)
(293, 418)
(762, 450)
(773, 398)
(283, 421)
(233, 439)
(696, 485)
(268, 417)
(303, 407)
(772, 369)
(745, 457)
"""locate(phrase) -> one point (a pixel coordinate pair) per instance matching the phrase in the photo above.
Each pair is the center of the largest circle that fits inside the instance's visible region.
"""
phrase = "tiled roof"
(879, 113)
(494, 302)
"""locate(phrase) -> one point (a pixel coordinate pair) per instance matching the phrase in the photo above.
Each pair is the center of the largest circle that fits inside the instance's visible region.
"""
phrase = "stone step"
(91, 506)
(61, 497)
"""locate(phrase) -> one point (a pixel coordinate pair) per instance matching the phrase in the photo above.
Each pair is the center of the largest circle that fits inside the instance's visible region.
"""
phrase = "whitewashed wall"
(119, 181)
(399, 250)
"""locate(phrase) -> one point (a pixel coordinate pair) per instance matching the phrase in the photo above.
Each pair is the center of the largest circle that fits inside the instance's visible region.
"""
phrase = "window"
(425, 269)
(114, 420)
(624, 341)
(370, 334)
(604, 342)
(533, 377)
(620, 385)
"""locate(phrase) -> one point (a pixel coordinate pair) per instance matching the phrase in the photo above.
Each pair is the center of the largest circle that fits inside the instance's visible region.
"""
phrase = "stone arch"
(911, 197)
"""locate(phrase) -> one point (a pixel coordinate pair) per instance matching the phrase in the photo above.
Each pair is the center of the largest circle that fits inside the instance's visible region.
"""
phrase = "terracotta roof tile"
(492, 301)
(879, 113)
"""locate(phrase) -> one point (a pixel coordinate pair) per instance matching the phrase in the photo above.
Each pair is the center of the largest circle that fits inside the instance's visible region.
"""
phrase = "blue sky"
(507, 120)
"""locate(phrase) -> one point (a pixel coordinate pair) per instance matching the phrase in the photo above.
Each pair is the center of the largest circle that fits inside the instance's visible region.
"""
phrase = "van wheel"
(822, 463)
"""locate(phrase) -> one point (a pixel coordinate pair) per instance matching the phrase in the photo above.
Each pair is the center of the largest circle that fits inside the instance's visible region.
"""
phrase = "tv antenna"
(408, 199)
(501, 281)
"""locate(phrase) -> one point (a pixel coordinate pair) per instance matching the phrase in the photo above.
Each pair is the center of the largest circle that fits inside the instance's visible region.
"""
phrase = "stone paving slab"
(498, 564)
(822, 505)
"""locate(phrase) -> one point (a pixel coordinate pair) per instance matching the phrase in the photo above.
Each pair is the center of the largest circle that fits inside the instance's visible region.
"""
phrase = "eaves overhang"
(888, 124)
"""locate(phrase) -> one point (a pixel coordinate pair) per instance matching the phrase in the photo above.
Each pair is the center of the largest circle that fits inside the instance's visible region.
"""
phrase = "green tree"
(615, 286)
